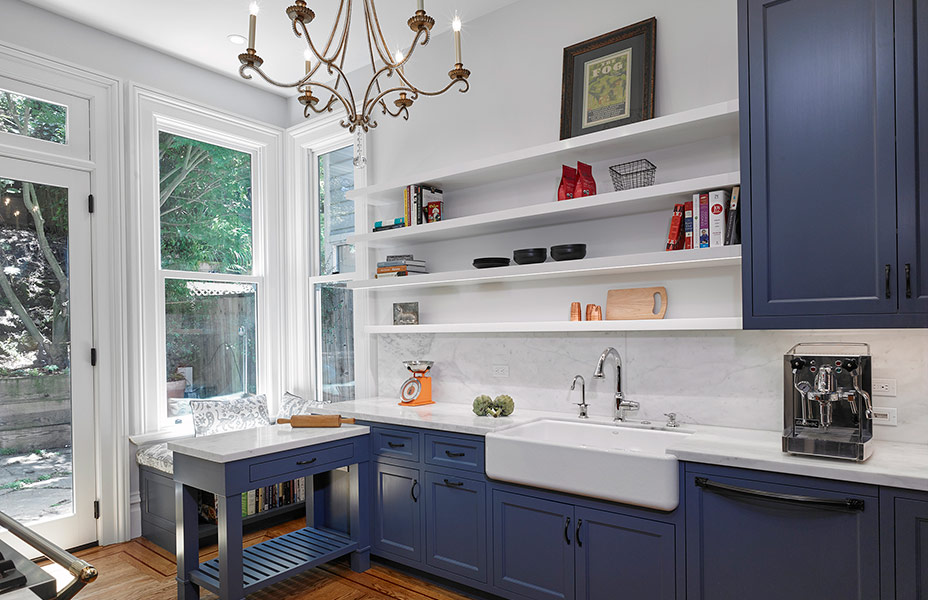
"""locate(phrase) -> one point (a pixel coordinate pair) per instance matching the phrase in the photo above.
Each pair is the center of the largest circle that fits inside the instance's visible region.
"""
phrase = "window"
(209, 284)
(333, 302)
(34, 118)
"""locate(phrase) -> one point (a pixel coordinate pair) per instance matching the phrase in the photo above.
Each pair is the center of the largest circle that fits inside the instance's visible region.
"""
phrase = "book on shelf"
(405, 262)
(392, 257)
(701, 220)
(718, 205)
(399, 222)
(673, 235)
(402, 268)
(688, 225)
(393, 274)
(733, 223)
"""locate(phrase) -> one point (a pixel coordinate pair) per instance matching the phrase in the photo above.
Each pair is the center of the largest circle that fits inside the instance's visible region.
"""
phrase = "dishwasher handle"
(850, 504)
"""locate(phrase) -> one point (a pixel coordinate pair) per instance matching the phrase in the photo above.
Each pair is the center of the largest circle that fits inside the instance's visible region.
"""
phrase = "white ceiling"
(197, 30)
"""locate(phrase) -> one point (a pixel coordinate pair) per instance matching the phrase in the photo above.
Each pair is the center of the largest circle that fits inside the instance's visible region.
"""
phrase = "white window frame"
(154, 112)
(307, 142)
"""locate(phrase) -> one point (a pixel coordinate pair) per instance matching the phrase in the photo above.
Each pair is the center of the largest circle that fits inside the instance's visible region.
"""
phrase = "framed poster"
(609, 80)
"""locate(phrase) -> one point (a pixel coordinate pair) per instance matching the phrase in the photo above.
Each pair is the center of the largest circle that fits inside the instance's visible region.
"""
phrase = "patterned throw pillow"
(219, 416)
(291, 404)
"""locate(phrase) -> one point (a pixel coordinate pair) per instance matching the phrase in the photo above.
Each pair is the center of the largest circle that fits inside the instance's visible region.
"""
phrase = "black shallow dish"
(530, 256)
(489, 263)
(568, 251)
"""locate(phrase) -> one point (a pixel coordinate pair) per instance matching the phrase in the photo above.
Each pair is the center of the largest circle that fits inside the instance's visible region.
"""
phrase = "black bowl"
(530, 256)
(568, 251)
(488, 263)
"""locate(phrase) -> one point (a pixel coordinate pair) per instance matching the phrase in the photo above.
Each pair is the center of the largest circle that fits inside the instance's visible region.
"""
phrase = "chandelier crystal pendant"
(328, 62)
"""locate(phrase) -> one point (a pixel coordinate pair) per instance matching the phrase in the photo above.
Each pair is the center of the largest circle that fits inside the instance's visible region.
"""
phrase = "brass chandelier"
(329, 61)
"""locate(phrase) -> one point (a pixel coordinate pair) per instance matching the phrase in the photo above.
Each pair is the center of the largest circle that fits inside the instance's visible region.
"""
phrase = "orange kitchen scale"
(417, 390)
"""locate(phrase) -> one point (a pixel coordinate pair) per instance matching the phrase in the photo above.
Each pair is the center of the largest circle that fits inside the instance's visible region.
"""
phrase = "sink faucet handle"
(671, 419)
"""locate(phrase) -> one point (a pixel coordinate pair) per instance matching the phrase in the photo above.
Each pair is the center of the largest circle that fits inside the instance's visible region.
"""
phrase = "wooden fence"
(35, 412)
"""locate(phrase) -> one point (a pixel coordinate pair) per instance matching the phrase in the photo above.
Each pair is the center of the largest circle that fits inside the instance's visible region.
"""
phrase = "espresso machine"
(826, 395)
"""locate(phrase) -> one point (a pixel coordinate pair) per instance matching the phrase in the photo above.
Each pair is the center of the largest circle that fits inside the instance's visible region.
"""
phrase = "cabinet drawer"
(395, 443)
(299, 462)
(454, 452)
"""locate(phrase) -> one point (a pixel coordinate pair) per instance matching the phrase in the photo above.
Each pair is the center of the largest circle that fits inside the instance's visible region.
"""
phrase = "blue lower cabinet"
(905, 548)
(768, 536)
(533, 547)
(455, 525)
(397, 512)
(618, 556)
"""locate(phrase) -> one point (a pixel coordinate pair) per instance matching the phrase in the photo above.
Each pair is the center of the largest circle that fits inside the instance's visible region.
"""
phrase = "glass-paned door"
(47, 475)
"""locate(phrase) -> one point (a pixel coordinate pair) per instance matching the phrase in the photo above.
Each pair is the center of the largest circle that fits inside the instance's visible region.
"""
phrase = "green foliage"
(206, 213)
(482, 405)
(33, 118)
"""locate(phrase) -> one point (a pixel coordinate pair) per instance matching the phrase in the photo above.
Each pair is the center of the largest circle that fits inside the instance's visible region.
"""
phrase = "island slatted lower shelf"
(277, 559)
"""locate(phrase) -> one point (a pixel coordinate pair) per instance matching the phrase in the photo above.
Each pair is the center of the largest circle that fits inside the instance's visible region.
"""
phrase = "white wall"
(44, 32)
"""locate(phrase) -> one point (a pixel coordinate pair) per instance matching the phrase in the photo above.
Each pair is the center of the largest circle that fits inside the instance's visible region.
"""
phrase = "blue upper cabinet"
(819, 171)
(912, 152)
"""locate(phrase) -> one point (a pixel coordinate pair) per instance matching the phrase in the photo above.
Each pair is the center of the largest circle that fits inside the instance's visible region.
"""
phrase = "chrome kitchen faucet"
(621, 404)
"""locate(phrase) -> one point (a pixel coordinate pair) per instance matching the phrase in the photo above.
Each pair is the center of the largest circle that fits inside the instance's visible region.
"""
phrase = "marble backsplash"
(730, 378)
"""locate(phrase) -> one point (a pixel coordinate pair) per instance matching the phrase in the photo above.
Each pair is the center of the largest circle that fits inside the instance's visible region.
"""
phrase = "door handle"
(850, 504)
(566, 529)
(412, 490)
(306, 462)
(908, 280)
(889, 290)
(454, 454)
(395, 445)
(577, 533)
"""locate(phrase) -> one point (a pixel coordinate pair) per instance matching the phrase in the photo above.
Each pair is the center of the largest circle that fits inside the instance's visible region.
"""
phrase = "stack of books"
(399, 265)
(416, 200)
(712, 219)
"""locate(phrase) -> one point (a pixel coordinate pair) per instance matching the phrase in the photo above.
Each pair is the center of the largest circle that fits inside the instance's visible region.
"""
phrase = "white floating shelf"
(628, 263)
(690, 324)
(612, 204)
(707, 122)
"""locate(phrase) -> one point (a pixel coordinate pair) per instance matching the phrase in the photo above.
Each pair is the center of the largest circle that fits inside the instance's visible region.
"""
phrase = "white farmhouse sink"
(611, 462)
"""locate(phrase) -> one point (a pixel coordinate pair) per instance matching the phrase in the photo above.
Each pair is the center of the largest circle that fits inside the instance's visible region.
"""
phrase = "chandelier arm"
(331, 69)
(369, 105)
(372, 37)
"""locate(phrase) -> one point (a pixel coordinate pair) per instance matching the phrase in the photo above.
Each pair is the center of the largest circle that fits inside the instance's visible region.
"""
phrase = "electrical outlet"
(500, 370)
(884, 387)
(883, 415)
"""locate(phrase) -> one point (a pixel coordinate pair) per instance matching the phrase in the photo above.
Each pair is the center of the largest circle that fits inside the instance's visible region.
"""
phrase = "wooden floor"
(140, 570)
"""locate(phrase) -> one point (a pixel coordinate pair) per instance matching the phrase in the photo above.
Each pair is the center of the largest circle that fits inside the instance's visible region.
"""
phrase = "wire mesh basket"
(634, 174)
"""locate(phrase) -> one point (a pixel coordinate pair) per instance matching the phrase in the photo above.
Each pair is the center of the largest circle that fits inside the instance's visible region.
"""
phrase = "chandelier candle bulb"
(252, 23)
(420, 5)
(456, 26)
(307, 57)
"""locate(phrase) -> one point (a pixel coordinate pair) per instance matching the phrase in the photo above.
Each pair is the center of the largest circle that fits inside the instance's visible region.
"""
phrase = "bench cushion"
(158, 457)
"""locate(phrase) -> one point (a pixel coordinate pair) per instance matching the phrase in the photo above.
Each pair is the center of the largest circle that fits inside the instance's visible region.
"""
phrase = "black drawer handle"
(908, 280)
(306, 462)
(889, 291)
(454, 454)
(566, 529)
(851, 504)
(412, 490)
(577, 533)
(450, 483)
(395, 445)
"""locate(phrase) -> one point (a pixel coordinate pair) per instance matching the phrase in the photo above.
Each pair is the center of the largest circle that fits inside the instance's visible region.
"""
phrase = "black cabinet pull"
(577, 533)
(306, 462)
(908, 280)
(450, 483)
(889, 290)
(395, 445)
(566, 529)
(454, 454)
(850, 504)
(412, 490)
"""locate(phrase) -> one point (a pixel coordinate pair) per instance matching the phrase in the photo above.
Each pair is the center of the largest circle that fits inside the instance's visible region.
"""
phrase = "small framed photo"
(405, 313)
(609, 80)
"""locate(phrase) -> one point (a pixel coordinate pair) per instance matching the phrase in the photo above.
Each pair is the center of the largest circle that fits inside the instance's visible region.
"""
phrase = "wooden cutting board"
(635, 303)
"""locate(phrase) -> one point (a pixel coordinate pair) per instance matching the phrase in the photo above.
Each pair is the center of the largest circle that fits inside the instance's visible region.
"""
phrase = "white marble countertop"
(248, 443)
(892, 463)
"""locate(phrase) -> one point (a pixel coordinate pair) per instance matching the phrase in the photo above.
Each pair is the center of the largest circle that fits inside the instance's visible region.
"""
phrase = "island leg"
(231, 586)
(360, 486)
(187, 542)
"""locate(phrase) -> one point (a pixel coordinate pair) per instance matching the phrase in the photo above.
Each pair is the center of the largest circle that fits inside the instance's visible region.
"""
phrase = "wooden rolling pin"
(315, 421)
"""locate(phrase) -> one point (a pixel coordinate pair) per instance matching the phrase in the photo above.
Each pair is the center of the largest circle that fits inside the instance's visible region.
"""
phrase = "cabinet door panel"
(621, 556)
(911, 549)
(533, 553)
(455, 525)
(397, 512)
(739, 546)
(912, 152)
(822, 157)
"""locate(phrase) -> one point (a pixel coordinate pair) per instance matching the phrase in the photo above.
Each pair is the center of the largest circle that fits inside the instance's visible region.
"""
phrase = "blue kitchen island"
(229, 464)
